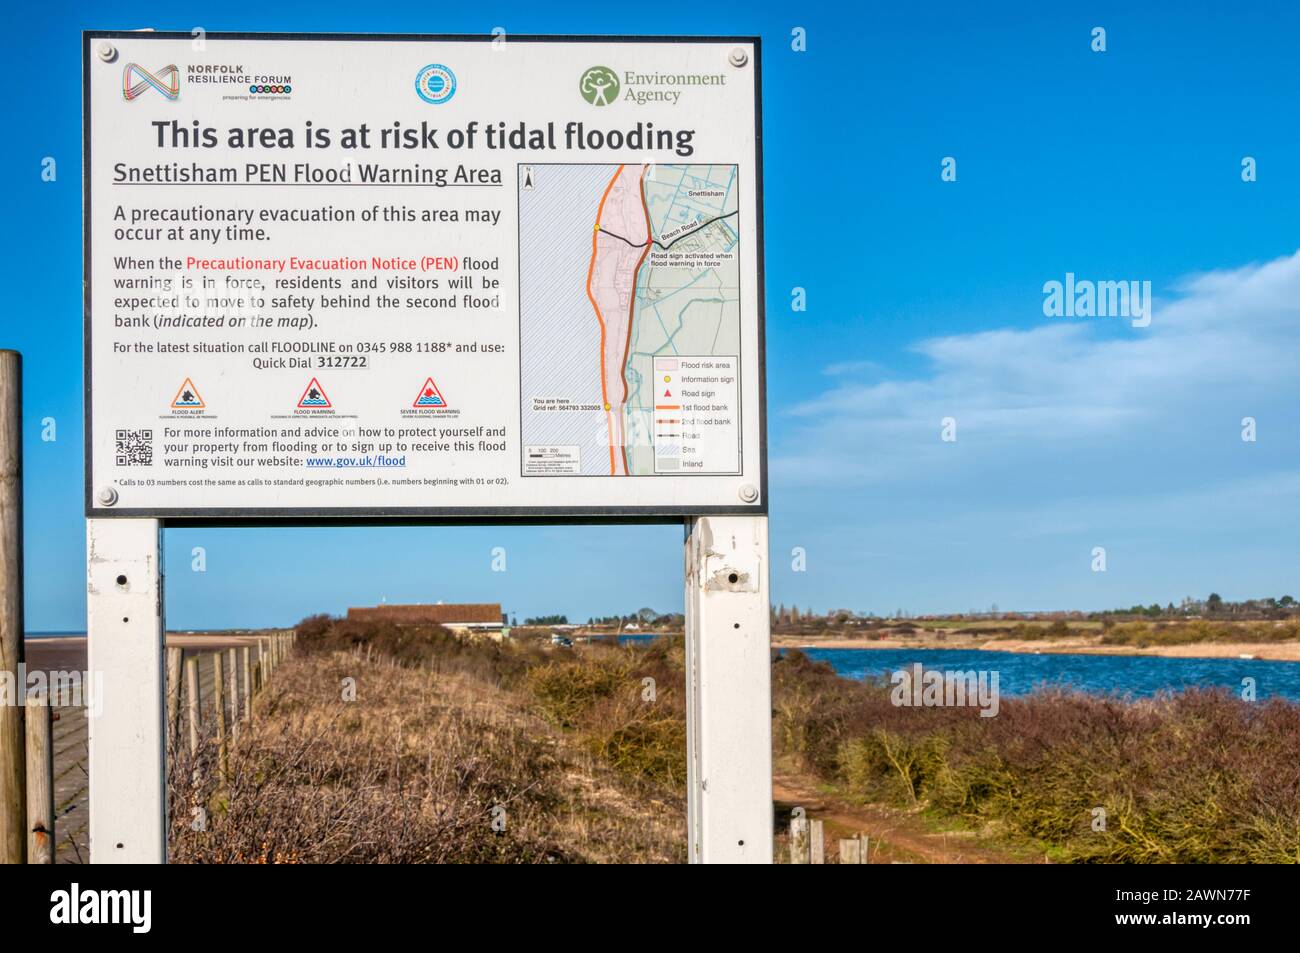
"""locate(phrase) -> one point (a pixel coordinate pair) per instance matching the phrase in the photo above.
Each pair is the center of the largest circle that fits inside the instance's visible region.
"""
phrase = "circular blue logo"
(435, 84)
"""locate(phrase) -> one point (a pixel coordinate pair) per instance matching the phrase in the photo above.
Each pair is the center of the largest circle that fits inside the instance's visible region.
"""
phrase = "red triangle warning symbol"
(187, 398)
(429, 395)
(668, 393)
(314, 397)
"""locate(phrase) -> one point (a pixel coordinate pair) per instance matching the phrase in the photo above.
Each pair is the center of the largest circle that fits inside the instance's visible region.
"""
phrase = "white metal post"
(728, 690)
(128, 750)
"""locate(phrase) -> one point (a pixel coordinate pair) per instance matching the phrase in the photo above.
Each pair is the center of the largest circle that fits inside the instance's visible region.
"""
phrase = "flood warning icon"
(314, 398)
(429, 395)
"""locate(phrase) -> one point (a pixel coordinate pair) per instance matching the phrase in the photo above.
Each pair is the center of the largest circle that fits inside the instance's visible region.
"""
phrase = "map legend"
(696, 415)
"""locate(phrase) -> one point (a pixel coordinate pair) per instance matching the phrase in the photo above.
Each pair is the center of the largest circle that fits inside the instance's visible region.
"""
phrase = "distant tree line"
(1213, 605)
(644, 618)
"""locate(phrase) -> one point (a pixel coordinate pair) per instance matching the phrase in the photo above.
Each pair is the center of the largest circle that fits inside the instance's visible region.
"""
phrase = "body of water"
(1021, 673)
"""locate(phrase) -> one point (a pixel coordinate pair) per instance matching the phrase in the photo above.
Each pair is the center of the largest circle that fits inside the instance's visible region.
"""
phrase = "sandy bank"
(1271, 651)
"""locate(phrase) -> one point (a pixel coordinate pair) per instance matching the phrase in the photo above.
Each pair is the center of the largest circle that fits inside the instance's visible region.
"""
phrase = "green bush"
(566, 691)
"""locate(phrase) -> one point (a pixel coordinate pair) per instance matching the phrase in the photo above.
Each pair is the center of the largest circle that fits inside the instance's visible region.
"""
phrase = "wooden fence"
(200, 683)
(808, 844)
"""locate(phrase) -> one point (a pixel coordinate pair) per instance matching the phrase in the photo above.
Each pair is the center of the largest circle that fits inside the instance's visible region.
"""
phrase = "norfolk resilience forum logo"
(136, 81)
(599, 85)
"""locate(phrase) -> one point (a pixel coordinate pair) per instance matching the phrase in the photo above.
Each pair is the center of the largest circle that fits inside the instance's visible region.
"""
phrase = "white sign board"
(363, 276)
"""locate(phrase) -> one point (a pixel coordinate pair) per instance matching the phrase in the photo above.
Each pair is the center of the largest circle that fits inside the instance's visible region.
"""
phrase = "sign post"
(728, 690)
(456, 279)
(127, 725)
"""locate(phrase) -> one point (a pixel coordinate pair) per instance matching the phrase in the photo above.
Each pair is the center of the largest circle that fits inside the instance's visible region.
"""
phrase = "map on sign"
(629, 319)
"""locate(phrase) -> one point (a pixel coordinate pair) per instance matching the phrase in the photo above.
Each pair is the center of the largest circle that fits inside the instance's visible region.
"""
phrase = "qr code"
(134, 448)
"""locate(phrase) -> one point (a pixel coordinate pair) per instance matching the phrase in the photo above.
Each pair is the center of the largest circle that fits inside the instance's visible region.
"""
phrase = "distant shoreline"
(55, 651)
(1264, 651)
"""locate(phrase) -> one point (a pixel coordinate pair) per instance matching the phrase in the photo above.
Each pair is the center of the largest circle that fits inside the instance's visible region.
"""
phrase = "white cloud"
(1071, 393)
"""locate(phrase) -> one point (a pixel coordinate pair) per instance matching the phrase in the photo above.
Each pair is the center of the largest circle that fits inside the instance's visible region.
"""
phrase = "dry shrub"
(422, 645)
(1195, 777)
(1201, 630)
(566, 691)
(413, 771)
(396, 777)
(635, 726)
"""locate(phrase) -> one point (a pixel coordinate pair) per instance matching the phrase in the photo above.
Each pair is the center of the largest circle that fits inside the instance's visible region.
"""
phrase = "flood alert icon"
(314, 397)
(429, 395)
(187, 398)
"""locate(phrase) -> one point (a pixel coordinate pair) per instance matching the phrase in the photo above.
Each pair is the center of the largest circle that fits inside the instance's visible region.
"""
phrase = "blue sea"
(1021, 673)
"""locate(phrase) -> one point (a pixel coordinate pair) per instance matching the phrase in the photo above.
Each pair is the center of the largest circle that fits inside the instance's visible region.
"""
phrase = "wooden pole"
(817, 845)
(234, 693)
(853, 850)
(40, 780)
(799, 840)
(13, 783)
(175, 656)
(245, 655)
(219, 702)
(192, 701)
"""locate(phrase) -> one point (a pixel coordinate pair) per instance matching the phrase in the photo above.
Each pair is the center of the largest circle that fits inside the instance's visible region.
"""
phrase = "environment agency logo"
(599, 85)
(435, 84)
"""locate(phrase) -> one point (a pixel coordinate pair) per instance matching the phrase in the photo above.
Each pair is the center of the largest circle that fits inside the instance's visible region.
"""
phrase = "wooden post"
(219, 703)
(40, 780)
(234, 693)
(245, 654)
(817, 844)
(175, 656)
(13, 783)
(853, 850)
(799, 840)
(192, 701)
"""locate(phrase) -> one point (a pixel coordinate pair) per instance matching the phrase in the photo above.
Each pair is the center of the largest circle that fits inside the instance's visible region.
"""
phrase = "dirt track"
(896, 836)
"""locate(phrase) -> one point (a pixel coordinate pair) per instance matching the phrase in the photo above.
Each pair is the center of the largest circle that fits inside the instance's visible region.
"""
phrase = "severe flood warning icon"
(313, 397)
(429, 396)
(187, 398)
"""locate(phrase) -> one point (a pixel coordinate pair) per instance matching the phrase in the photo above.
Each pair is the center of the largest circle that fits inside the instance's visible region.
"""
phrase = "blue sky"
(924, 302)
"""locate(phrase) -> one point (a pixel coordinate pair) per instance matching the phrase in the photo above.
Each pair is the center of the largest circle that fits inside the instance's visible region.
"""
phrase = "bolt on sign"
(422, 276)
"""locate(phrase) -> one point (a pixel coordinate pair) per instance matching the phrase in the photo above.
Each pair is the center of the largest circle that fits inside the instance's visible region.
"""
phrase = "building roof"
(443, 613)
